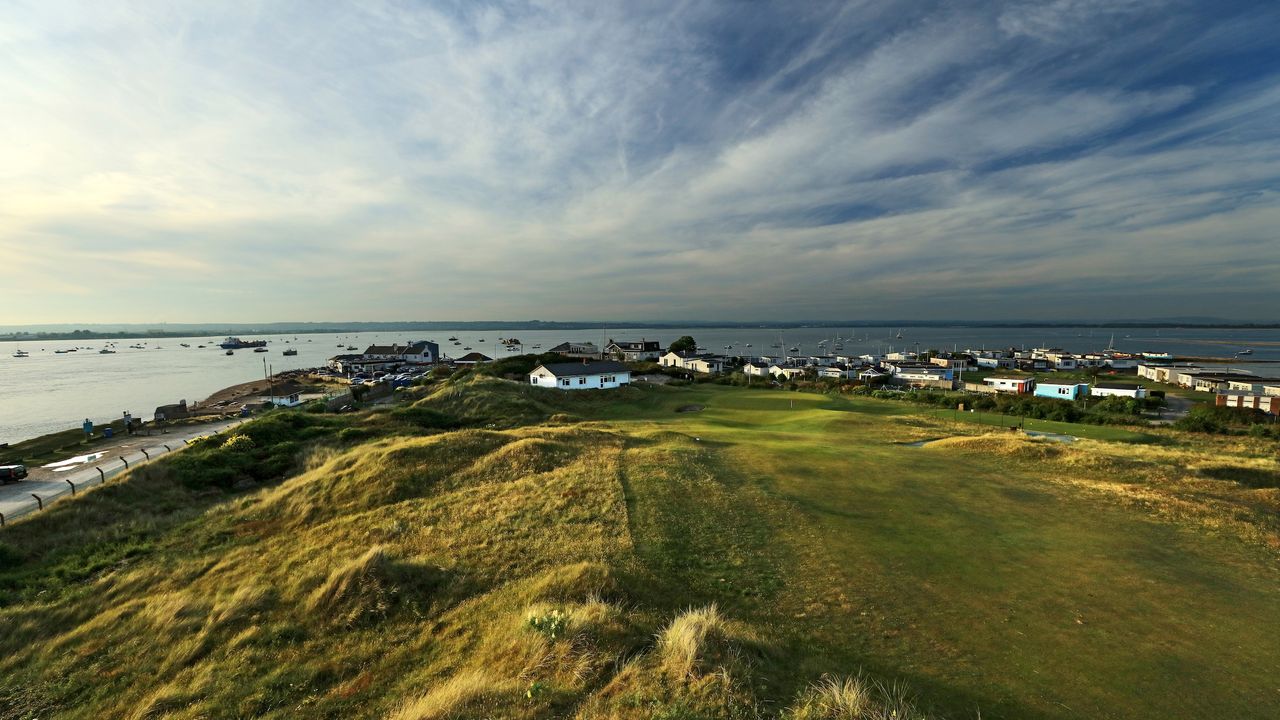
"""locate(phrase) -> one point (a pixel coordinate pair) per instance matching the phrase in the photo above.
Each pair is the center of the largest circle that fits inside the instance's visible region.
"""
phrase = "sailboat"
(21, 353)
(899, 334)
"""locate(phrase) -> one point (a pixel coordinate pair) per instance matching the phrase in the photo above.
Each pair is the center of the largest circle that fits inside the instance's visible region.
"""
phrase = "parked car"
(12, 473)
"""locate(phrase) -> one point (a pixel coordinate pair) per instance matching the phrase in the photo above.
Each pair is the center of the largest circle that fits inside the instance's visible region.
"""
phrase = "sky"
(194, 161)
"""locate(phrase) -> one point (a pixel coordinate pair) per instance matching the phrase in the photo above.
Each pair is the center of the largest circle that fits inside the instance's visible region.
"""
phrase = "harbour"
(59, 383)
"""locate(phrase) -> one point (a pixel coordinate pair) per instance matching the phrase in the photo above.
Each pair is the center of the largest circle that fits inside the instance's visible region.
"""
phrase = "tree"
(683, 344)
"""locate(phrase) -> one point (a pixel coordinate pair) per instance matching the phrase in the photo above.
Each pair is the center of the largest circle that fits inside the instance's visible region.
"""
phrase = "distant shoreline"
(306, 329)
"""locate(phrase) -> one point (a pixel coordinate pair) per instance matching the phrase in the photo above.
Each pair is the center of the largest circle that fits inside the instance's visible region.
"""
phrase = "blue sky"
(252, 161)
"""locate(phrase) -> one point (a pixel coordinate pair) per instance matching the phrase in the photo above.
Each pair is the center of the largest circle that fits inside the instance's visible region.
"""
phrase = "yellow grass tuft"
(696, 641)
(854, 698)
(350, 582)
(465, 689)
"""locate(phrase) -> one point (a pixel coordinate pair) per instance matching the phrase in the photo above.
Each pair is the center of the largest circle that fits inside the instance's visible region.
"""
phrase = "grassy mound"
(774, 555)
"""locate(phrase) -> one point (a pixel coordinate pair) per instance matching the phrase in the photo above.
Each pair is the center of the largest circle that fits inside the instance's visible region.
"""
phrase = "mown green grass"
(407, 563)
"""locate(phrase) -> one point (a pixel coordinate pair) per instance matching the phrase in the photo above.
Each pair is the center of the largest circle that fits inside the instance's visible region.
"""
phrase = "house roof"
(1117, 386)
(572, 369)
(474, 357)
(641, 345)
(415, 348)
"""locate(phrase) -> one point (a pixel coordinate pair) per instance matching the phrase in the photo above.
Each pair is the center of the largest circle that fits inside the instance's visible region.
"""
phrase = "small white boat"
(21, 353)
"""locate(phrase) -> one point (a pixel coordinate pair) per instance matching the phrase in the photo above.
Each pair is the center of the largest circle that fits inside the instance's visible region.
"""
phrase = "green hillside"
(493, 550)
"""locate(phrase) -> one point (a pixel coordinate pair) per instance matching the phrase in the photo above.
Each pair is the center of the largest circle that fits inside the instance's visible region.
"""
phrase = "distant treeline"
(191, 330)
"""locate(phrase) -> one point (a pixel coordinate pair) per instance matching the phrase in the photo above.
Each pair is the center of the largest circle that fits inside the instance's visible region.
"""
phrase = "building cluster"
(590, 368)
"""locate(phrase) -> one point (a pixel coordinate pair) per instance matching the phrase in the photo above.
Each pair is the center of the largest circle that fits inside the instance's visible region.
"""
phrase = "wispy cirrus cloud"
(467, 160)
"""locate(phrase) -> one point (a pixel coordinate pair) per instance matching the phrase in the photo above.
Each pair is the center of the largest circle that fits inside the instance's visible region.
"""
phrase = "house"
(594, 375)
(577, 350)
(287, 401)
(921, 375)
(472, 358)
(788, 372)
(1062, 360)
(1266, 403)
(1251, 385)
(872, 375)
(1061, 390)
(1032, 364)
(694, 362)
(758, 368)
(421, 352)
(838, 372)
(994, 363)
(955, 361)
(1020, 386)
(177, 411)
(1114, 389)
(631, 351)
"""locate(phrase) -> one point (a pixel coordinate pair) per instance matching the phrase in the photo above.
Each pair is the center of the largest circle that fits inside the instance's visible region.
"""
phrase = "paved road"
(16, 498)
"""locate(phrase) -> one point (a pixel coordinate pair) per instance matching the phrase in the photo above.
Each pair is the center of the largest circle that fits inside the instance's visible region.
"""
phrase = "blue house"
(1061, 391)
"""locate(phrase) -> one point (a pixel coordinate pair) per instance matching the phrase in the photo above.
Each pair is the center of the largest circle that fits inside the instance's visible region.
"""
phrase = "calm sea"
(47, 392)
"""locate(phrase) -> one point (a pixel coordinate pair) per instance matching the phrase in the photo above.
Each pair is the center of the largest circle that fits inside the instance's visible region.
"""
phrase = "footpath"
(43, 486)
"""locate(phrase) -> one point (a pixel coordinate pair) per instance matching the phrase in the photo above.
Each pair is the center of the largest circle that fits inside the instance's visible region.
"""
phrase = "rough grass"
(426, 565)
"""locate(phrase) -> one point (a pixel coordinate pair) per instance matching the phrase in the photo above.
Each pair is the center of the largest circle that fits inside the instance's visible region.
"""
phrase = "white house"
(597, 375)
(1113, 389)
(790, 372)
(757, 368)
(693, 362)
(1062, 360)
(1020, 386)
(287, 401)
(838, 372)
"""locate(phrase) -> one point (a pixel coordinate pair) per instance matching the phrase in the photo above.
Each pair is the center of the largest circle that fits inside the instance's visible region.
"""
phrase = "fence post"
(39, 502)
(167, 448)
(102, 477)
(144, 452)
(1, 519)
(73, 485)
(126, 462)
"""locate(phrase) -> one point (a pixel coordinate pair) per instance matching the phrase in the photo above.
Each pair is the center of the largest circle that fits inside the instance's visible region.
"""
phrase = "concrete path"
(20, 498)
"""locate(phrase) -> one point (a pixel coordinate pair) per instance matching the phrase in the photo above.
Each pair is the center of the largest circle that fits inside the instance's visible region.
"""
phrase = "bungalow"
(838, 372)
(1114, 389)
(788, 372)
(577, 350)
(473, 358)
(953, 361)
(1121, 362)
(694, 362)
(1020, 386)
(176, 411)
(1266, 403)
(1062, 360)
(994, 363)
(1032, 364)
(287, 401)
(597, 375)
(1254, 386)
(922, 375)
(631, 351)
(1061, 390)
(757, 368)
(423, 352)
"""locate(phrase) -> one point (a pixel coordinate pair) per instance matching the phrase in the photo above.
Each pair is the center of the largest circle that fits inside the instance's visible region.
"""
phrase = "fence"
(51, 490)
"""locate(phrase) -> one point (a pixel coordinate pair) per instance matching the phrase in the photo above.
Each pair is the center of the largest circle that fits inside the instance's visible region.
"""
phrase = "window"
(565, 382)
(582, 381)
